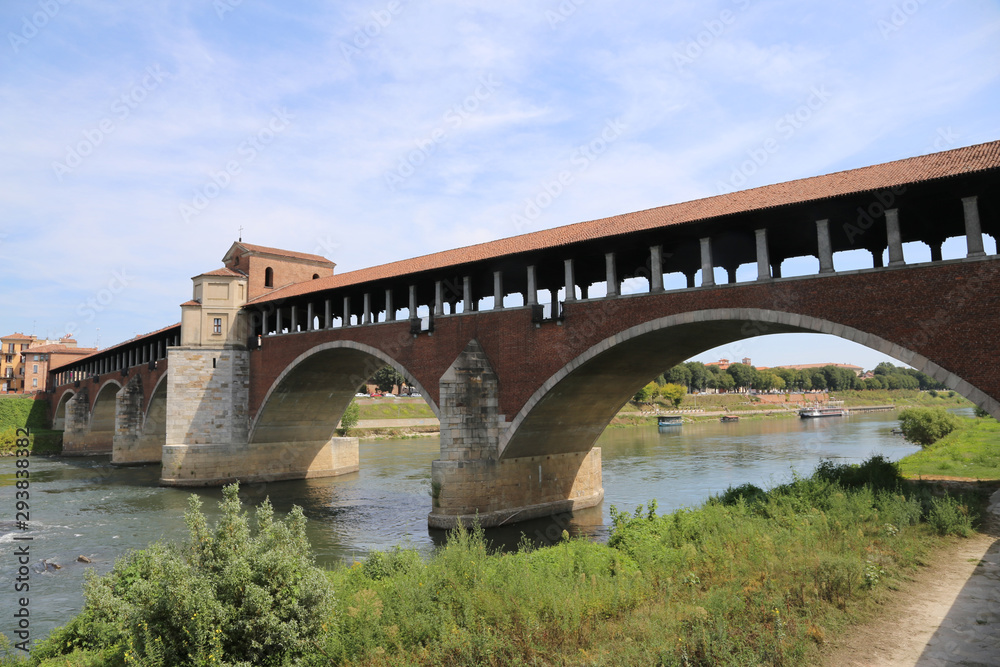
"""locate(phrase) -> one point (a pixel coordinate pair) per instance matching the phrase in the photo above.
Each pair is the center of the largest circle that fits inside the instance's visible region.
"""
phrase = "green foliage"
(23, 412)
(981, 413)
(350, 417)
(950, 516)
(647, 393)
(747, 493)
(386, 378)
(673, 393)
(877, 473)
(227, 596)
(925, 426)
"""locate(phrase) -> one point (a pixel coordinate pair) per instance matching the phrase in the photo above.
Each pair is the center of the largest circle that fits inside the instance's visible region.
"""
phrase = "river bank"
(750, 577)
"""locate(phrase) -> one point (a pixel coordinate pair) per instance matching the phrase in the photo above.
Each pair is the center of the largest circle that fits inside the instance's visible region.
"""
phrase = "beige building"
(25, 360)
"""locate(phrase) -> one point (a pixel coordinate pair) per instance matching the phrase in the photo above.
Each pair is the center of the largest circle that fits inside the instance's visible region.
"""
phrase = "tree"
(679, 374)
(925, 426)
(699, 375)
(647, 393)
(743, 375)
(386, 378)
(674, 393)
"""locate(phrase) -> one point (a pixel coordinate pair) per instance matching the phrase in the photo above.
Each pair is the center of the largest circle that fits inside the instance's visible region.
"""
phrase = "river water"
(86, 507)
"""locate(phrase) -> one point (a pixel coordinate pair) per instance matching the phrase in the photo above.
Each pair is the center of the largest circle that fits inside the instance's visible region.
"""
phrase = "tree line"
(697, 376)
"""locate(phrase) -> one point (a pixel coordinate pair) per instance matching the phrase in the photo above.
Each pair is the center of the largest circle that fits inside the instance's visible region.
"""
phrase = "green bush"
(226, 596)
(877, 472)
(350, 418)
(949, 516)
(925, 426)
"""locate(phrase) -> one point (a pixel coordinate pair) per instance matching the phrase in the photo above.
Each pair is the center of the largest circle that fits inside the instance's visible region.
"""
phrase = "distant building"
(723, 364)
(24, 364)
(38, 359)
(857, 370)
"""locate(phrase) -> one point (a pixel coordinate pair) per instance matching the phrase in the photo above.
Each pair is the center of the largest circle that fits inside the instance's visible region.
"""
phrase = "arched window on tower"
(269, 277)
(315, 276)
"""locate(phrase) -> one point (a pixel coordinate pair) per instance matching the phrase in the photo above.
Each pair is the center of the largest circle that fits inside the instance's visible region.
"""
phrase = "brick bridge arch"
(307, 399)
(571, 409)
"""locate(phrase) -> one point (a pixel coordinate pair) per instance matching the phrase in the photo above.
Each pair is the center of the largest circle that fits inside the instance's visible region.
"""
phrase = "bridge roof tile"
(955, 162)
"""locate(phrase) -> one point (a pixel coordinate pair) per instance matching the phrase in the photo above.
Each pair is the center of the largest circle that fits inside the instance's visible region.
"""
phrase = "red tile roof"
(876, 177)
(192, 302)
(17, 336)
(55, 348)
(223, 272)
(284, 253)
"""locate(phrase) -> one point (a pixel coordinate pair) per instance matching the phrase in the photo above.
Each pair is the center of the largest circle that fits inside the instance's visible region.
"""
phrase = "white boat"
(813, 413)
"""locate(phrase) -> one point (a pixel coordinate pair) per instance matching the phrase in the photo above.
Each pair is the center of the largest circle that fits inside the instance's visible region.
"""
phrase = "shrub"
(948, 516)
(877, 472)
(925, 426)
(748, 492)
(350, 418)
(223, 597)
(981, 413)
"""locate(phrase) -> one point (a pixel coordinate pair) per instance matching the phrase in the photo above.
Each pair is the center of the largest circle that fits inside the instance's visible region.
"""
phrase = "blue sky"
(139, 137)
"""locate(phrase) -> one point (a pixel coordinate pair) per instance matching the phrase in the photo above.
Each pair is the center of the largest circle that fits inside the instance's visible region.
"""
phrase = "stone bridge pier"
(472, 482)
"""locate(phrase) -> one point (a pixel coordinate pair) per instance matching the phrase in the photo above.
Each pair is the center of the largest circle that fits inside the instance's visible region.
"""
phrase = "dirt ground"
(948, 614)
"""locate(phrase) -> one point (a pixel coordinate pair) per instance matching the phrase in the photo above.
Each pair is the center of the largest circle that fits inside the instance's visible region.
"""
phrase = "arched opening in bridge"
(102, 416)
(297, 422)
(571, 410)
(59, 416)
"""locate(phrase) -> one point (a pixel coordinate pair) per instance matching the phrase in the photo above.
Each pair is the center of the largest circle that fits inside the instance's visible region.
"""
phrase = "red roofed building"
(268, 269)
(37, 360)
(24, 360)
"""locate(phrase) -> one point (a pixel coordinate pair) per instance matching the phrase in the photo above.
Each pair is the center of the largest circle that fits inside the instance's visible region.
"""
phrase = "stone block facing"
(497, 492)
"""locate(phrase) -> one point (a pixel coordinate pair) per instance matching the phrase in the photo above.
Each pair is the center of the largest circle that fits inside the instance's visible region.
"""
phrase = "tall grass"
(750, 577)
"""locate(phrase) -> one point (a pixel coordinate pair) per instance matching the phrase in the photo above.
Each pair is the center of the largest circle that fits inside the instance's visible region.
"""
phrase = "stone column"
(895, 238)
(611, 274)
(280, 324)
(497, 290)
(973, 230)
(309, 316)
(390, 312)
(656, 268)
(128, 445)
(467, 305)
(438, 299)
(763, 256)
(347, 311)
(570, 281)
(707, 274)
(825, 249)
(77, 423)
(328, 314)
(367, 317)
(470, 483)
(413, 302)
(531, 298)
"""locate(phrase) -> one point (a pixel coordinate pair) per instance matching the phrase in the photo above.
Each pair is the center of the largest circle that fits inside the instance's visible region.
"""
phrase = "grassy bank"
(25, 412)
(748, 578)
(394, 408)
(971, 451)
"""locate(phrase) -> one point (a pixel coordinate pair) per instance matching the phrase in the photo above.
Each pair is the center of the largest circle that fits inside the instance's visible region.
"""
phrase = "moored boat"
(812, 413)
(664, 421)
(729, 418)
